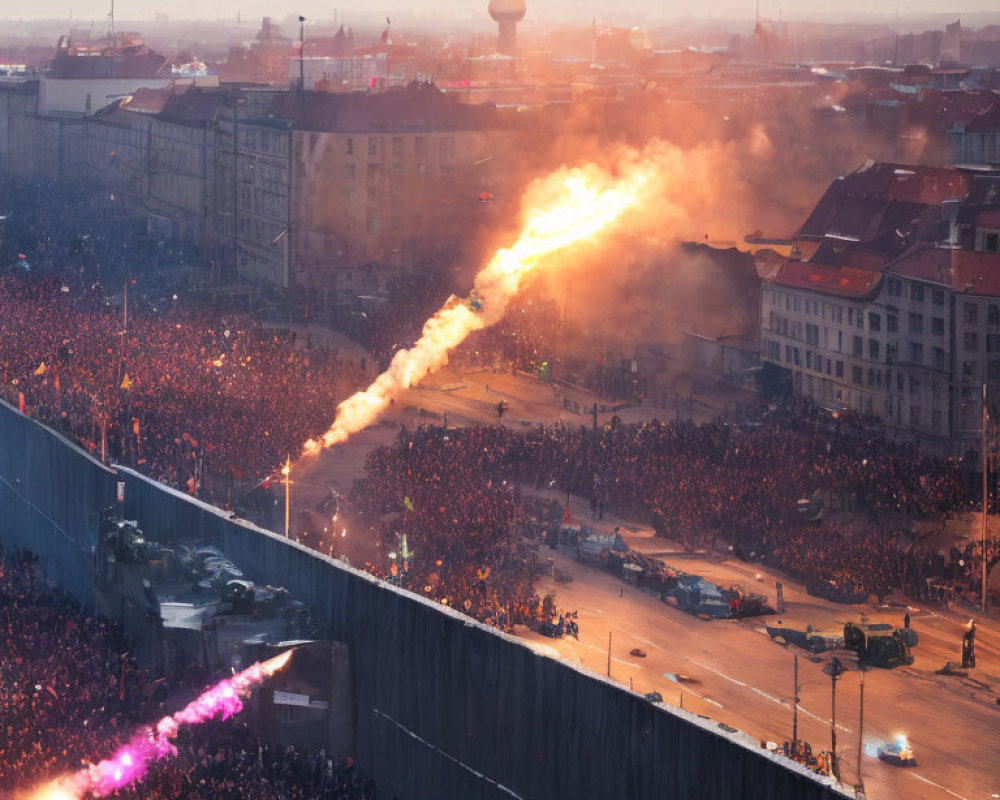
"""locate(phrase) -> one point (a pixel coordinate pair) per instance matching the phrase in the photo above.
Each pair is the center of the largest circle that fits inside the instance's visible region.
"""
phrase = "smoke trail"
(132, 760)
(570, 206)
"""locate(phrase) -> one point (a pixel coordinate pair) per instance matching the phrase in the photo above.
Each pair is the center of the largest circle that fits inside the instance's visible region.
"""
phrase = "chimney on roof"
(949, 216)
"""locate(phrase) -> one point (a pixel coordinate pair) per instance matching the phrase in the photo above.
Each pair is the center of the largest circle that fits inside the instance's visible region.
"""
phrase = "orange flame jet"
(574, 205)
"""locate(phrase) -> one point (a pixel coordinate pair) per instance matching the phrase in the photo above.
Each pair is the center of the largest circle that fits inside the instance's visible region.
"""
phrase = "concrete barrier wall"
(51, 495)
(446, 707)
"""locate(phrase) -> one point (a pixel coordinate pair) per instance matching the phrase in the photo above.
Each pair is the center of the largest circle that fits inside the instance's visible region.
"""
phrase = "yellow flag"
(126, 382)
(41, 369)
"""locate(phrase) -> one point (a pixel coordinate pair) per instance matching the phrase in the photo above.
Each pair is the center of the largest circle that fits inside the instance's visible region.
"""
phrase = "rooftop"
(840, 281)
(874, 214)
(987, 122)
(418, 107)
(193, 107)
(963, 270)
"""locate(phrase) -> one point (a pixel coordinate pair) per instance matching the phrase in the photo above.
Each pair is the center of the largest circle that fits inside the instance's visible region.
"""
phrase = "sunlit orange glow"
(62, 789)
(566, 208)
(276, 664)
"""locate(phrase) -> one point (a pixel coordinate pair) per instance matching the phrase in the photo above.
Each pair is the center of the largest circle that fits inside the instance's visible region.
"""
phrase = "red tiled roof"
(988, 122)
(854, 205)
(963, 270)
(842, 281)
(942, 110)
(988, 218)
(417, 107)
(847, 254)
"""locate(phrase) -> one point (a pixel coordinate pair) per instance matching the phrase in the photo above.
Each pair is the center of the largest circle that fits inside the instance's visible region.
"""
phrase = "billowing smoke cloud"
(642, 194)
(712, 174)
(747, 168)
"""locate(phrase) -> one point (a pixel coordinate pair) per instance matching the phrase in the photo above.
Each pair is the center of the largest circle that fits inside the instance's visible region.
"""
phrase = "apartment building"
(897, 312)
(375, 184)
(319, 191)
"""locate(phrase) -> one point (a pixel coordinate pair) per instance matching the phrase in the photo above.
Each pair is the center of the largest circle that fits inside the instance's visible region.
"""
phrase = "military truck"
(876, 645)
(880, 645)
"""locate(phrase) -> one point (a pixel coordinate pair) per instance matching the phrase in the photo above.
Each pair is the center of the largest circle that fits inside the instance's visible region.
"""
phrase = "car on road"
(898, 752)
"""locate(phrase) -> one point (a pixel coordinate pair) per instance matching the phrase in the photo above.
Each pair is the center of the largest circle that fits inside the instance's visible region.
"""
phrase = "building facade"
(315, 191)
(911, 337)
(976, 141)
(262, 202)
(375, 184)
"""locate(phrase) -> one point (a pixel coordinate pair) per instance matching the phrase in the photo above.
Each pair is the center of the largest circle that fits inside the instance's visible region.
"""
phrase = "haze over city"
(499, 399)
(552, 11)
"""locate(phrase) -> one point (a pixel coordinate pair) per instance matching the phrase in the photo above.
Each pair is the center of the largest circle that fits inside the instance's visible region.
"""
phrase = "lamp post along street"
(302, 52)
(986, 496)
(287, 471)
(795, 707)
(834, 669)
(833, 722)
(859, 789)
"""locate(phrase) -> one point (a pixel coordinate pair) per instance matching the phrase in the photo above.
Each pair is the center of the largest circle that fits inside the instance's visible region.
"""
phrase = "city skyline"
(561, 11)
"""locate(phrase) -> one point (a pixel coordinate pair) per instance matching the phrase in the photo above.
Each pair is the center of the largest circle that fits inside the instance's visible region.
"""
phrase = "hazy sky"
(548, 10)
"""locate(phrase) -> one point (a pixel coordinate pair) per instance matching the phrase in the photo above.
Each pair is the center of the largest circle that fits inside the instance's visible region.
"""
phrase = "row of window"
(446, 147)
(915, 323)
(917, 292)
(914, 352)
(815, 308)
(794, 356)
(266, 141)
(794, 330)
(864, 402)
(916, 420)
(374, 172)
(820, 363)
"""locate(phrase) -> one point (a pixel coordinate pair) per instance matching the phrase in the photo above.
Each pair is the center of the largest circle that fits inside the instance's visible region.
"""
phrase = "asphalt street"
(731, 671)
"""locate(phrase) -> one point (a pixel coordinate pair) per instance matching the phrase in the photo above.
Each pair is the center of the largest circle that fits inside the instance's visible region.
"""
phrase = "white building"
(910, 340)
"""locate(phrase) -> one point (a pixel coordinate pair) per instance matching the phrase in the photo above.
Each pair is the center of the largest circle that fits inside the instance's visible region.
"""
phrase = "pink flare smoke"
(131, 761)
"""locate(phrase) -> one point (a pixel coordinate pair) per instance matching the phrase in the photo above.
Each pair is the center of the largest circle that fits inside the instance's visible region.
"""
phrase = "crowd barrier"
(51, 493)
(445, 707)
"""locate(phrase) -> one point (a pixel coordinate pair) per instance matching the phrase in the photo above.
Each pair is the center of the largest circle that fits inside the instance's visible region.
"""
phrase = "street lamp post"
(859, 789)
(287, 471)
(125, 303)
(834, 670)
(986, 495)
(795, 706)
(302, 52)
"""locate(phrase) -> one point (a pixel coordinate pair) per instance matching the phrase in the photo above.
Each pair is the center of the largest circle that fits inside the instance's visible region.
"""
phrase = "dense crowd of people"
(214, 403)
(225, 761)
(704, 486)
(66, 689)
(741, 484)
(48, 225)
(70, 693)
(441, 490)
(188, 397)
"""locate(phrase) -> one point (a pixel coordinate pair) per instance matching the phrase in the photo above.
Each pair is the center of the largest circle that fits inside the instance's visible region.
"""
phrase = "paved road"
(739, 676)
(742, 678)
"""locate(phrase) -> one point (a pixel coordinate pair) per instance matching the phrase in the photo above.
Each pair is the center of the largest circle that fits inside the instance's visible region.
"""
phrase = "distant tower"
(507, 13)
